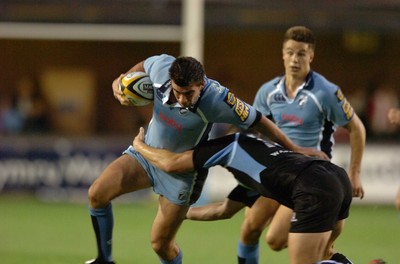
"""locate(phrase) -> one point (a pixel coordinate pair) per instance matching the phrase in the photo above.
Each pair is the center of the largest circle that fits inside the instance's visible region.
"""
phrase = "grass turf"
(39, 233)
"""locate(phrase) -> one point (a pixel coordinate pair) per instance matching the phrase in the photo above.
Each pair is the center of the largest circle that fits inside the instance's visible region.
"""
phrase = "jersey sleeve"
(337, 107)
(260, 101)
(213, 152)
(244, 195)
(220, 105)
(158, 68)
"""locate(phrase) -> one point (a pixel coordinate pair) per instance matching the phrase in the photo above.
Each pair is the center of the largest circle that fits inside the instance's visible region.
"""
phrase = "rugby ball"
(137, 88)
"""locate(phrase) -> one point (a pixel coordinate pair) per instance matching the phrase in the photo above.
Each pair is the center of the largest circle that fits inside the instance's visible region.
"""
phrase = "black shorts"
(321, 196)
(244, 195)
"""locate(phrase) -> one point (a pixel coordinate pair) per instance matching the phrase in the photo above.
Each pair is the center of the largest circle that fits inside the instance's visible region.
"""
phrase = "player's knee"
(275, 243)
(250, 234)
(252, 227)
(160, 248)
(96, 199)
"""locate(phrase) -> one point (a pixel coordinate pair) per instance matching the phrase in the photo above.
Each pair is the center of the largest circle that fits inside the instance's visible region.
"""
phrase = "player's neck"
(292, 84)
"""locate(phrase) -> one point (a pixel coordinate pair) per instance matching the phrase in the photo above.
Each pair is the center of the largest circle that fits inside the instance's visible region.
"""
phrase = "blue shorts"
(182, 189)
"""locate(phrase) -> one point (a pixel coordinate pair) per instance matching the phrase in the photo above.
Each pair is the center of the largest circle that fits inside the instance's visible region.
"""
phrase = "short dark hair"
(186, 71)
(300, 34)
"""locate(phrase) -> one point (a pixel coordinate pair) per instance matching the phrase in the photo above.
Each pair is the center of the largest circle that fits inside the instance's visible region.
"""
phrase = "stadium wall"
(60, 168)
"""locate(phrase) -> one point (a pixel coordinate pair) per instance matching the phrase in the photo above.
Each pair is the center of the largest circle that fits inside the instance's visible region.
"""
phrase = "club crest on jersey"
(183, 111)
(302, 100)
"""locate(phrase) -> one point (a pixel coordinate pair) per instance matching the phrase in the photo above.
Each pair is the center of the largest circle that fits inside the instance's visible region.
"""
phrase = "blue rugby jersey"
(179, 129)
(310, 119)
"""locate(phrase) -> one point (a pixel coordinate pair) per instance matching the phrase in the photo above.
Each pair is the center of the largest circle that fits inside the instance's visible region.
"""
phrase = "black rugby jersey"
(261, 165)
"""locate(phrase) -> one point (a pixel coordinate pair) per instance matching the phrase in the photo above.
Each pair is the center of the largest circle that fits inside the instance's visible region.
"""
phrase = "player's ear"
(311, 55)
(202, 85)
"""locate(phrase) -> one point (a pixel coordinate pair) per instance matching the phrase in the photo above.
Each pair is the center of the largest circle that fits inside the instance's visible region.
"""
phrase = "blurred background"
(60, 124)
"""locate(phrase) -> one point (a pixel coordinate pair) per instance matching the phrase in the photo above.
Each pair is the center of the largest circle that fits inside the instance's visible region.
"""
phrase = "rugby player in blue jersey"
(318, 191)
(307, 108)
(186, 104)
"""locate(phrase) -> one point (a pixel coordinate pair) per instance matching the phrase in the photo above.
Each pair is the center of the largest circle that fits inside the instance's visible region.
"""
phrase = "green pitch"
(59, 233)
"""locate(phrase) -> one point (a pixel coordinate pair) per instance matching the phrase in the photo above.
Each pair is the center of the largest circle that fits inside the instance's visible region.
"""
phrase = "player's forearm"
(215, 211)
(357, 142)
(139, 67)
(211, 212)
(270, 130)
(158, 157)
(163, 159)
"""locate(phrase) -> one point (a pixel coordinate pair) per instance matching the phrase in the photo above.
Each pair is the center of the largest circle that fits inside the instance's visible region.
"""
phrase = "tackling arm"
(272, 131)
(215, 211)
(163, 159)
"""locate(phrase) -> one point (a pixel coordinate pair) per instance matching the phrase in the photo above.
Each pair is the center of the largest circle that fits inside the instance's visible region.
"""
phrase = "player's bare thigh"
(277, 235)
(307, 247)
(123, 175)
(257, 218)
(337, 230)
(165, 226)
(262, 211)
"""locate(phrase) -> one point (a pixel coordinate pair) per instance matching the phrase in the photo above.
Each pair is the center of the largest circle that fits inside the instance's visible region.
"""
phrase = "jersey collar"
(308, 84)
(165, 92)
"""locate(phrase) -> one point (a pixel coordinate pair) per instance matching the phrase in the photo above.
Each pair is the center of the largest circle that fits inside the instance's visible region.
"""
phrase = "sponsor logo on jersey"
(279, 98)
(240, 107)
(292, 119)
(278, 152)
(294, 218)
(347, 109)
(339, 94)
(230, 99)
(242, 110)
(170, 122)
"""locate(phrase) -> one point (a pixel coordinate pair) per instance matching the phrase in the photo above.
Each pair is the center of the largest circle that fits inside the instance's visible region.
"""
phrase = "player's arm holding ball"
(118, 94)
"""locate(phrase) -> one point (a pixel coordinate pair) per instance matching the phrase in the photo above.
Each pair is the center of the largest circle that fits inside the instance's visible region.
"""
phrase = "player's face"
(297, 57)
(187, 96)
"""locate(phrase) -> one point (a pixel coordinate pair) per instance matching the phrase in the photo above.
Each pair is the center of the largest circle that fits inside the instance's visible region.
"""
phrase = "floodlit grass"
(39, 233)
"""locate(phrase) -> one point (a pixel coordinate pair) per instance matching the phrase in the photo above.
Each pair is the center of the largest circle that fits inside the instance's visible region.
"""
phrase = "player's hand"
(139, 138)
(313, 153)
(357, 188)
(117, 92)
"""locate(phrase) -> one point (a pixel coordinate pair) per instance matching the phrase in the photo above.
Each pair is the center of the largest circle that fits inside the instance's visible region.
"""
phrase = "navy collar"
(309, 83)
